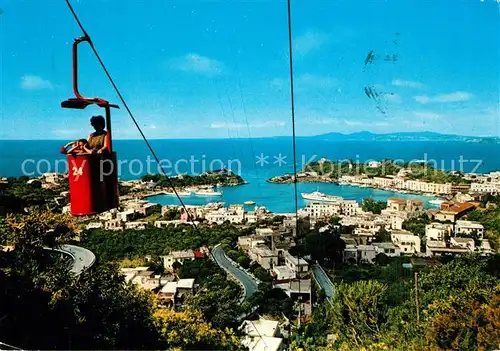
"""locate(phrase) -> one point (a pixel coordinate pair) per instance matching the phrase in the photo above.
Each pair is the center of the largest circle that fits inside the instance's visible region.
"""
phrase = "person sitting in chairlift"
(80, 146)
(98, 140)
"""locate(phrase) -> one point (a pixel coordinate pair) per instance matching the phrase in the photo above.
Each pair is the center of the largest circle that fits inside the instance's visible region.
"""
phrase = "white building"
(406, 241)
(366, 253)
(113, 224)
(469, 228)
(94, 225)
(261, 335)
(387, 248)
(263, 256)
(425, 187)
(318, 210)
(283, 273)
(234, 214)
(295, 264)
(485, 187)
(438, 231)
(135, 225)
(467, 243)
(177, 256)
(127, 215)
(439, 248)
(174, 222)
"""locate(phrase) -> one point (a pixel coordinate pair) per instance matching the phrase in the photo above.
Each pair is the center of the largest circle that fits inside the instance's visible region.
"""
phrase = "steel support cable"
(120, 96)
(294, 146)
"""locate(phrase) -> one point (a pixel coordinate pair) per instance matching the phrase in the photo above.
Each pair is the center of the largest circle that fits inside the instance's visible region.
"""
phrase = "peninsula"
(415, 177)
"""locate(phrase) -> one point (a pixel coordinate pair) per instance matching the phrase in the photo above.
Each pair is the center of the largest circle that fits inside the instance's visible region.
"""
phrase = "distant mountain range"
(404, 136)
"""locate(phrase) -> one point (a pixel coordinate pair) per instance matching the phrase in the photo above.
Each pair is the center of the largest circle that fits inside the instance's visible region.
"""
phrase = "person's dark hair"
(83, 141)
(98, 121)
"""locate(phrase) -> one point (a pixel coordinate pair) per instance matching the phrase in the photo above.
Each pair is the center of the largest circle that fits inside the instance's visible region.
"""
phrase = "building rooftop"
(187, 283)
(437, 225)
(295, 260)
(283, 270)
(264, 343)
(144, 273)
(169, 288)
(401, 232)
(261, 327)
(182, 254)
(463, 240)
(458, 208)
(264, 231)
(385, 245)
(295, 286)
(264, 251)
(469, 224)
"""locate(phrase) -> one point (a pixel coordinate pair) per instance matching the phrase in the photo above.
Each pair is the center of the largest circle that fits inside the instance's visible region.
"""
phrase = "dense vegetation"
(324, 246)
(43, 306)
(375, 307)
(113, 246)
(209, 178)
(490, 219)
(416, 225)
(16, 194)
(374, 206)
(218, 298)
(422, 171)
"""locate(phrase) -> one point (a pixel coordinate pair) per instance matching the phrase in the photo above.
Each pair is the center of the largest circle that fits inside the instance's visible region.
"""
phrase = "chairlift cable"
(130, 113)
(294, 146)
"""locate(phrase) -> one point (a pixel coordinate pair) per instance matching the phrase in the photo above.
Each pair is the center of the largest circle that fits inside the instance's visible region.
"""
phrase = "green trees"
(272, 301)
(225, 178)
(43, 306)
(18, 194)
(416, 225)
(188, 330)
(358, 311)
(382, 235)
(459, 307)
(374, 206)
(490, 219)
(325, 247)
(112, 246)
(217, 298)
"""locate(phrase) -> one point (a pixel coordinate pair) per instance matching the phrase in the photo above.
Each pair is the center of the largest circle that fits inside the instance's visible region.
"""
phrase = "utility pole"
(416, 298)
(300, 310)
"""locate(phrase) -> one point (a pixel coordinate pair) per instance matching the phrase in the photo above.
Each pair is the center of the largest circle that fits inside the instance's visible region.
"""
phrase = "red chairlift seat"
(93, 179)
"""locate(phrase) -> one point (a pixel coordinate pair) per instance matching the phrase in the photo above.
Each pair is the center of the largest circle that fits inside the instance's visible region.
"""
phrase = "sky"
(219, 69)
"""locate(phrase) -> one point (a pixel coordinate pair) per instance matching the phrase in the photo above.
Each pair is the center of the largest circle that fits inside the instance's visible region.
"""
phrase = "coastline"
(288, 179)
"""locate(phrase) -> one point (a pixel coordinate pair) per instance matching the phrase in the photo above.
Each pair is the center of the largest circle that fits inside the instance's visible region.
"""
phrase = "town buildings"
(261, 335)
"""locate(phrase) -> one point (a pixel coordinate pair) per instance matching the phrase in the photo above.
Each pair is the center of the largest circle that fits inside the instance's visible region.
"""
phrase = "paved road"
(323, 280)
(82, 258)
(248, 282)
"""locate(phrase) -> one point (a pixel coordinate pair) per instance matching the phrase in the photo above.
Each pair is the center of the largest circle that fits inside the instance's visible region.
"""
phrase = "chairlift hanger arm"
(79, 101)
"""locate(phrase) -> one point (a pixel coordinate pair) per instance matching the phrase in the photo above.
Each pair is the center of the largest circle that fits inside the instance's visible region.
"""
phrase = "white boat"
(208, 192)
(180, 193)
(317, 196)
(436, 202)
(249, 202)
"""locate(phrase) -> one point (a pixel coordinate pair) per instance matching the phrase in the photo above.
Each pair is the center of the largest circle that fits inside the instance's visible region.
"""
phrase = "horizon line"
(270, 137)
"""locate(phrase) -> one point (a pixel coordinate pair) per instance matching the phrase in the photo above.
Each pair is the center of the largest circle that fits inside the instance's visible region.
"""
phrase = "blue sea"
(256, 160)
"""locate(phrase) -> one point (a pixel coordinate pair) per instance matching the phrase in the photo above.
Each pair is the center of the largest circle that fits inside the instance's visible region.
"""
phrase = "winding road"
(82, 258)
(249, 283)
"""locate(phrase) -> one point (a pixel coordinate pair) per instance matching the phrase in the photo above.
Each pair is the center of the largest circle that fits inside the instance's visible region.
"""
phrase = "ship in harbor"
(208, 192)
(436, 201)
(317, 196)
(179, 192)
